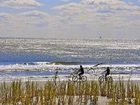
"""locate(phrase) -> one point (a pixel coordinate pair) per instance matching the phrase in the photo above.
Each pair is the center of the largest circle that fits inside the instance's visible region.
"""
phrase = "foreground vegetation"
(69, 93)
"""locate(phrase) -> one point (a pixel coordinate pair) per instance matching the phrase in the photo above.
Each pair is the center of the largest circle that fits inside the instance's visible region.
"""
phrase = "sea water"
(40, 58)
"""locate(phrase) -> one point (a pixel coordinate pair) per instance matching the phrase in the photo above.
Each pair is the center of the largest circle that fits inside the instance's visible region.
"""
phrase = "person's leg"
(80, 75)
(106, 76)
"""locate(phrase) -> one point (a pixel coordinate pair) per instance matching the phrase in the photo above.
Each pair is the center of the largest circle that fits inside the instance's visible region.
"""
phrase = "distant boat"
(100, 37)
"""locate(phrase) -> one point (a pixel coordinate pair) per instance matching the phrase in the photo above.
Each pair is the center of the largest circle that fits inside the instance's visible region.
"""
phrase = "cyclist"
(107, 72)
(80, 72)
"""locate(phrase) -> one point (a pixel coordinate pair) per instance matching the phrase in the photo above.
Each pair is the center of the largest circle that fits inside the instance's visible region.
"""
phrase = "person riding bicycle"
(107, 72)
(80, 71)
(105, 76)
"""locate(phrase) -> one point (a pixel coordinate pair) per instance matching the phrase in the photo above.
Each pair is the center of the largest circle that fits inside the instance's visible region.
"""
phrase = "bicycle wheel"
(84, 78)
(75, 78)
(109, 79)
(101, 79)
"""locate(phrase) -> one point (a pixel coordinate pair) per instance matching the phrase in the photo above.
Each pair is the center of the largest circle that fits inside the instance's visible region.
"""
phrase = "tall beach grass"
(69, 93)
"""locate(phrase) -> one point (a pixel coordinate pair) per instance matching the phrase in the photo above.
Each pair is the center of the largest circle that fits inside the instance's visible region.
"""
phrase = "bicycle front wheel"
(75, 78)
(110, 79)
(101, 79)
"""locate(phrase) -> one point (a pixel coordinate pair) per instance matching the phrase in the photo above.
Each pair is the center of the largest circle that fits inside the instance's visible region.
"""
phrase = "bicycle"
(102, 79)
(77, 78)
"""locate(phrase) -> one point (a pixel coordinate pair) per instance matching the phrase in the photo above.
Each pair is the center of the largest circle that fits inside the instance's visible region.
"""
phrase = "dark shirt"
(81, 70)
(108, 70)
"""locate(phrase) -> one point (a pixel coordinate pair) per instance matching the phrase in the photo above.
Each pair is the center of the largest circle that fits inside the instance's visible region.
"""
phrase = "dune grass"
(69, 93)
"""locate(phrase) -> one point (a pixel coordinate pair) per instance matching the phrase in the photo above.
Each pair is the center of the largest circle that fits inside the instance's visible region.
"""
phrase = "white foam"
(44, 66)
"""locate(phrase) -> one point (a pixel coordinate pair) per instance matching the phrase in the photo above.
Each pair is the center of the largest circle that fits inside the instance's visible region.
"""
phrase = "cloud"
(4, 15)
(29, 24)
(98, 6)
(70, 8)
(35, 14)
(106, 18)
(111, 5)
(110, 17)
(20, 3)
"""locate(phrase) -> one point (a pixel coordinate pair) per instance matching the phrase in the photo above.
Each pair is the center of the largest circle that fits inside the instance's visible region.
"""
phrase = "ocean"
(41, 57)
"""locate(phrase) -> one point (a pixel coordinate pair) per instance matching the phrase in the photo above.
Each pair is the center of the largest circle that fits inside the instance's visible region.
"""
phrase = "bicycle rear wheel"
(75, 78)
(84, 78)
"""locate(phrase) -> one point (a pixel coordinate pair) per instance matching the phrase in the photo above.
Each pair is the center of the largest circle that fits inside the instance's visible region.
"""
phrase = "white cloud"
(29, 24)
(20, 3)
(111, 5)
(76, 20)
(110, 17)
(4, 15)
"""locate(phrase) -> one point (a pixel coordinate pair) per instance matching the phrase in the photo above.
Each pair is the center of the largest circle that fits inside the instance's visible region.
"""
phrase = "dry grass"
(68, 93)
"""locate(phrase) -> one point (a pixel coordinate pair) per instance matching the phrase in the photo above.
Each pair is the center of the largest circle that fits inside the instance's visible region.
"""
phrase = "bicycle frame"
(77, 78)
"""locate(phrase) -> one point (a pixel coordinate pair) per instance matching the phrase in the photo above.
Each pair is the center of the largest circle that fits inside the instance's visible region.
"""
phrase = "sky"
(70, 19)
